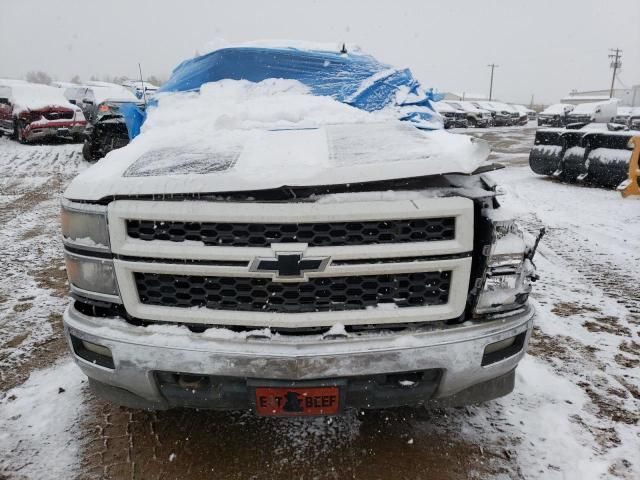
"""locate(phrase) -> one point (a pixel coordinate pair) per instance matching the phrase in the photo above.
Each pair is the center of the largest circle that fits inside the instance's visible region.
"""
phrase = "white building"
(629, 97)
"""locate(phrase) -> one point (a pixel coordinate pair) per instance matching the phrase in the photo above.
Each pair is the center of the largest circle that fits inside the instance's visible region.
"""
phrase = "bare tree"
(76, 79)
(119, 79)
(154, 80)
(38, 77)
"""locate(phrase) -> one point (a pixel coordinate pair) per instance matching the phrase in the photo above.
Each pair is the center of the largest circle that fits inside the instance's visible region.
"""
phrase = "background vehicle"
(532, 114)
(106, 130)
(141, 89)
(501, 116)
(89, 95)
(555, 115)
(513, 113)
(625, 115)
(523, 114)
(279, 289)
(453, 117)
(476, 117)
(32, 112)
(596, 112)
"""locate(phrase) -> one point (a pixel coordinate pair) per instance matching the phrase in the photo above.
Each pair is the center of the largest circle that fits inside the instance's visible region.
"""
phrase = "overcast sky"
(543, 47)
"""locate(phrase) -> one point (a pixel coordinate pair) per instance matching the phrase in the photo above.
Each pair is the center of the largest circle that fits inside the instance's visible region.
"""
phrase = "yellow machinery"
(632, 185)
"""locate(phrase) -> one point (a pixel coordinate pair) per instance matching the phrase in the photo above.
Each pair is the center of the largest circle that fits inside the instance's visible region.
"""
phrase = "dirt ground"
(574, 411)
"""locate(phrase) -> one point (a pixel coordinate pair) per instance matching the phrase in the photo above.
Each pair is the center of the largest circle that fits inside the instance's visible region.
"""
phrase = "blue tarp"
(352, 78)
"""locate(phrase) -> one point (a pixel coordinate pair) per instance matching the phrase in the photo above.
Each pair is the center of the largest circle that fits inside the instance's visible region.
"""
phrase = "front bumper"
(54, 130)
(235, 363)
(502, 121)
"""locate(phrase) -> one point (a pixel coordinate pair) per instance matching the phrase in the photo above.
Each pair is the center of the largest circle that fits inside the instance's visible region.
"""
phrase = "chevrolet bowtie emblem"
(289, 265)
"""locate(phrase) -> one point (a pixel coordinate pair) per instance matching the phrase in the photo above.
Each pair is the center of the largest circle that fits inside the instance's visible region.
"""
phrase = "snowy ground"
(574, 413)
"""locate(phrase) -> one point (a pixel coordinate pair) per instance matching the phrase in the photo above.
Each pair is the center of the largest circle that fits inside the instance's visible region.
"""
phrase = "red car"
(31, 112)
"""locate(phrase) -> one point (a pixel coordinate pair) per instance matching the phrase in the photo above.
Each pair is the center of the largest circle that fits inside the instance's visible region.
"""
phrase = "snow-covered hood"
(557, 109)
(268, 159)
(241, 136)
(38, 97)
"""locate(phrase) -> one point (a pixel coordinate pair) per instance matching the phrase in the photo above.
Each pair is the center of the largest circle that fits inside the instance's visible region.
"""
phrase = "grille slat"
(315, 295)
(315, 234)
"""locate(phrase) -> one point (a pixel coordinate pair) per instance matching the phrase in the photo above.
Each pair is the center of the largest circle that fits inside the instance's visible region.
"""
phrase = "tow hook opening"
(404, 379)
(497, 351)
(92, 352)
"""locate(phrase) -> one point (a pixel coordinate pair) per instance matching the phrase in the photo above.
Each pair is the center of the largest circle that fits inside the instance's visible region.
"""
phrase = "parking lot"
(577, 392)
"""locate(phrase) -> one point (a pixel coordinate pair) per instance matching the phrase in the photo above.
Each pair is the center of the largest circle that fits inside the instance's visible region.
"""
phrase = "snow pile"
(34, 97)
(239, 104)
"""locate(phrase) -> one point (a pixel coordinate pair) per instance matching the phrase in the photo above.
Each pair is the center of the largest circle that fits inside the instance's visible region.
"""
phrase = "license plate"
(63, 132)
(284, 402)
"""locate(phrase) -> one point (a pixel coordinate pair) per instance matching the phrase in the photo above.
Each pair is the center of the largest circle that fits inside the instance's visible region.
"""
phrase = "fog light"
(92, 352)
(99, 349)
(494, 352)
(494, 347)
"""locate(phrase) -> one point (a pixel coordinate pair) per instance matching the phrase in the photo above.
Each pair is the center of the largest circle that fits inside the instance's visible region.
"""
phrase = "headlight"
(507, 281)
(91, 275)
(85, 226)
(87, 253)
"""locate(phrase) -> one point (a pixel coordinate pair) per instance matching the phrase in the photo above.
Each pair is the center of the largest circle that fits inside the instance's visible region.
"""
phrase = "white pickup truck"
(293, 270)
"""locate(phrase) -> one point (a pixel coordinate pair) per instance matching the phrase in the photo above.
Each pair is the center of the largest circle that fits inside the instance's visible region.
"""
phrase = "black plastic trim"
(510, 351)
(89, 356)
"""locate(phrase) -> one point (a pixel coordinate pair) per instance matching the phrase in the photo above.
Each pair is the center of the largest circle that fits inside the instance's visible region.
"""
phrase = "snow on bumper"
(138, 352)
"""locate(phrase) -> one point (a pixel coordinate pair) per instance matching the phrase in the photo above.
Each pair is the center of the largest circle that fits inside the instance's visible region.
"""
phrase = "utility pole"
(493, 66)
(616, 63)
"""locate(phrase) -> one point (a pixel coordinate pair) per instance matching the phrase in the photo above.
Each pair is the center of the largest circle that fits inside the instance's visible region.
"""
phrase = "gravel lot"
(574, 412)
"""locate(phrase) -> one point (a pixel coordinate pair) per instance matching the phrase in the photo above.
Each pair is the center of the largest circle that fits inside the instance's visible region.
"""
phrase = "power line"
(493, 67)
(616, 63)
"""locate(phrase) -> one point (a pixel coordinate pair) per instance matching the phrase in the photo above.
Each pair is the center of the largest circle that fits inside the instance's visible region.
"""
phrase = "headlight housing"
(91, 275)
(85, 226)
(87, 252)
(507, 281)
